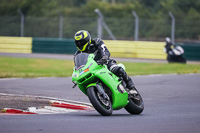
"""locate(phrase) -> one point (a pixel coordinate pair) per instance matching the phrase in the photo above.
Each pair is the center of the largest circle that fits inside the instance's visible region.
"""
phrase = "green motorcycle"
(106, 91)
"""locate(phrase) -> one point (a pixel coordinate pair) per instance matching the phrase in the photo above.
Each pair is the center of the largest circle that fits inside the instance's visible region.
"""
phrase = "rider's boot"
(119, 71)
(129, 84)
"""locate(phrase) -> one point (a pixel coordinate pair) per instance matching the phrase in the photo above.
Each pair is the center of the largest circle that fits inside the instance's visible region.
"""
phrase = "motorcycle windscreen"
(80, 60)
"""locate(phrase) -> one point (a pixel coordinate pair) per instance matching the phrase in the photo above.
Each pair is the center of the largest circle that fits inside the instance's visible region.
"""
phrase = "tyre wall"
(15, 44)
(192, 50)
(53, 46)
(118, 48)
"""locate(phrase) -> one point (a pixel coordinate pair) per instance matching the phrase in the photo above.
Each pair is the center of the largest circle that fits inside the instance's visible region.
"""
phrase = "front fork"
(101, 91)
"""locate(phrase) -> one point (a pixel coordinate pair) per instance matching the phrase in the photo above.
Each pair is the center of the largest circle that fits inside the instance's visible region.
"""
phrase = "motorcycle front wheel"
(136, 104)
(102, 105)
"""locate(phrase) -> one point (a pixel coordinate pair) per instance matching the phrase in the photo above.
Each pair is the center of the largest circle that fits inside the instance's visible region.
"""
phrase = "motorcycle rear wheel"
(103, 106)
(135, 105)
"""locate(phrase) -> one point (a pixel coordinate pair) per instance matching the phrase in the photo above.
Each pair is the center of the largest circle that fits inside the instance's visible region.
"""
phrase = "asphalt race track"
(172, 105)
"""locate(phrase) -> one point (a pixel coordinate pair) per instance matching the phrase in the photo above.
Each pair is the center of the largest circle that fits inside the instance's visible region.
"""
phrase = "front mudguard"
(119, 100)
(92, 84)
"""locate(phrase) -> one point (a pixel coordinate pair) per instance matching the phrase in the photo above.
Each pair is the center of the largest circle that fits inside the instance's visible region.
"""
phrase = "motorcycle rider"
(174, 53)
(86, 44)
(168, 45)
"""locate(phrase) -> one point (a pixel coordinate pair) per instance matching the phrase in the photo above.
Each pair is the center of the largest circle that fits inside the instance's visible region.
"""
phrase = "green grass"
(29, 68)
(161, 68)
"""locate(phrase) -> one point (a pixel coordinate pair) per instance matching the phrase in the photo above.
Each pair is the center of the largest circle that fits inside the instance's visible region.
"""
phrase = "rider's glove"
(104, 59)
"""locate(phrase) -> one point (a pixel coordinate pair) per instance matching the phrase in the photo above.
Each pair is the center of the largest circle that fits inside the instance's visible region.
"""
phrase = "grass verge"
(29, 68)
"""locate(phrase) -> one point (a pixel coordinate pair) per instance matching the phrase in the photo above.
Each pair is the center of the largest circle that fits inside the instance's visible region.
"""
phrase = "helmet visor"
(80, 43)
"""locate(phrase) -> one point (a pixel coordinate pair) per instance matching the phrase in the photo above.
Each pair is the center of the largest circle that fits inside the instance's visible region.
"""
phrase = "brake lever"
(74, 86)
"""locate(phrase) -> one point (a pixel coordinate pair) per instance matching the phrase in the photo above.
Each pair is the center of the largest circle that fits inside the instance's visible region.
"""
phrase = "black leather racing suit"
(168, 47)
(99, 49)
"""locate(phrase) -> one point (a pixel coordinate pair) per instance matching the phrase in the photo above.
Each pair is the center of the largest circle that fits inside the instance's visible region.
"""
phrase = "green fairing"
(97, 72)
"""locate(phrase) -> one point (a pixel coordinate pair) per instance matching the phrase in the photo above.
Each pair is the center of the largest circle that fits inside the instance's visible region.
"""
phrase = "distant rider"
(168, 45)
(86, 44)
(174, 53)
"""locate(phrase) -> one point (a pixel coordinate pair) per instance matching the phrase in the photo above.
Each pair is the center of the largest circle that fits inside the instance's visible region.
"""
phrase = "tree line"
(186, 9)
(187, 12)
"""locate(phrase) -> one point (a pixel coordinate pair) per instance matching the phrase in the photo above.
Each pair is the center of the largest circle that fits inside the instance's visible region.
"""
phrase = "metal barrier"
(130, 49)
(128, 28)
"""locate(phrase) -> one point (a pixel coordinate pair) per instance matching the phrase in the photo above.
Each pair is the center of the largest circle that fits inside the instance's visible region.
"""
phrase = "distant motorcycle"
(174, 53)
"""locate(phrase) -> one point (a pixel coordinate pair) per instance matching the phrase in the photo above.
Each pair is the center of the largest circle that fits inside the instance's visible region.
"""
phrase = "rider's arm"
(102, 48)
(168, 47)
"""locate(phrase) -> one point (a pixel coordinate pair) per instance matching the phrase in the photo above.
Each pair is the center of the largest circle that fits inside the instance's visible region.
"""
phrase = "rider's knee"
(117, 70)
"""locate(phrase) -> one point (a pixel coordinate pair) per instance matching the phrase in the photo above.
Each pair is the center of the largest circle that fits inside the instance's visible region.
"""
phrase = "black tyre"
(183, 60)
(135, 105)
(103, 106)
(169, 59)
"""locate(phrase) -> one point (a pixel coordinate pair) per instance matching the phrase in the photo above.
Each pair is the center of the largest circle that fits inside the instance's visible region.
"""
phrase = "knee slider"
(114, 68)
(121, 71)
(118, 71)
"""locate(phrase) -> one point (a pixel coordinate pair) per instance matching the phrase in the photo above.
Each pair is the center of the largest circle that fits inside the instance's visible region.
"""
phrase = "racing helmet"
(168, 40)
(82, 39)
